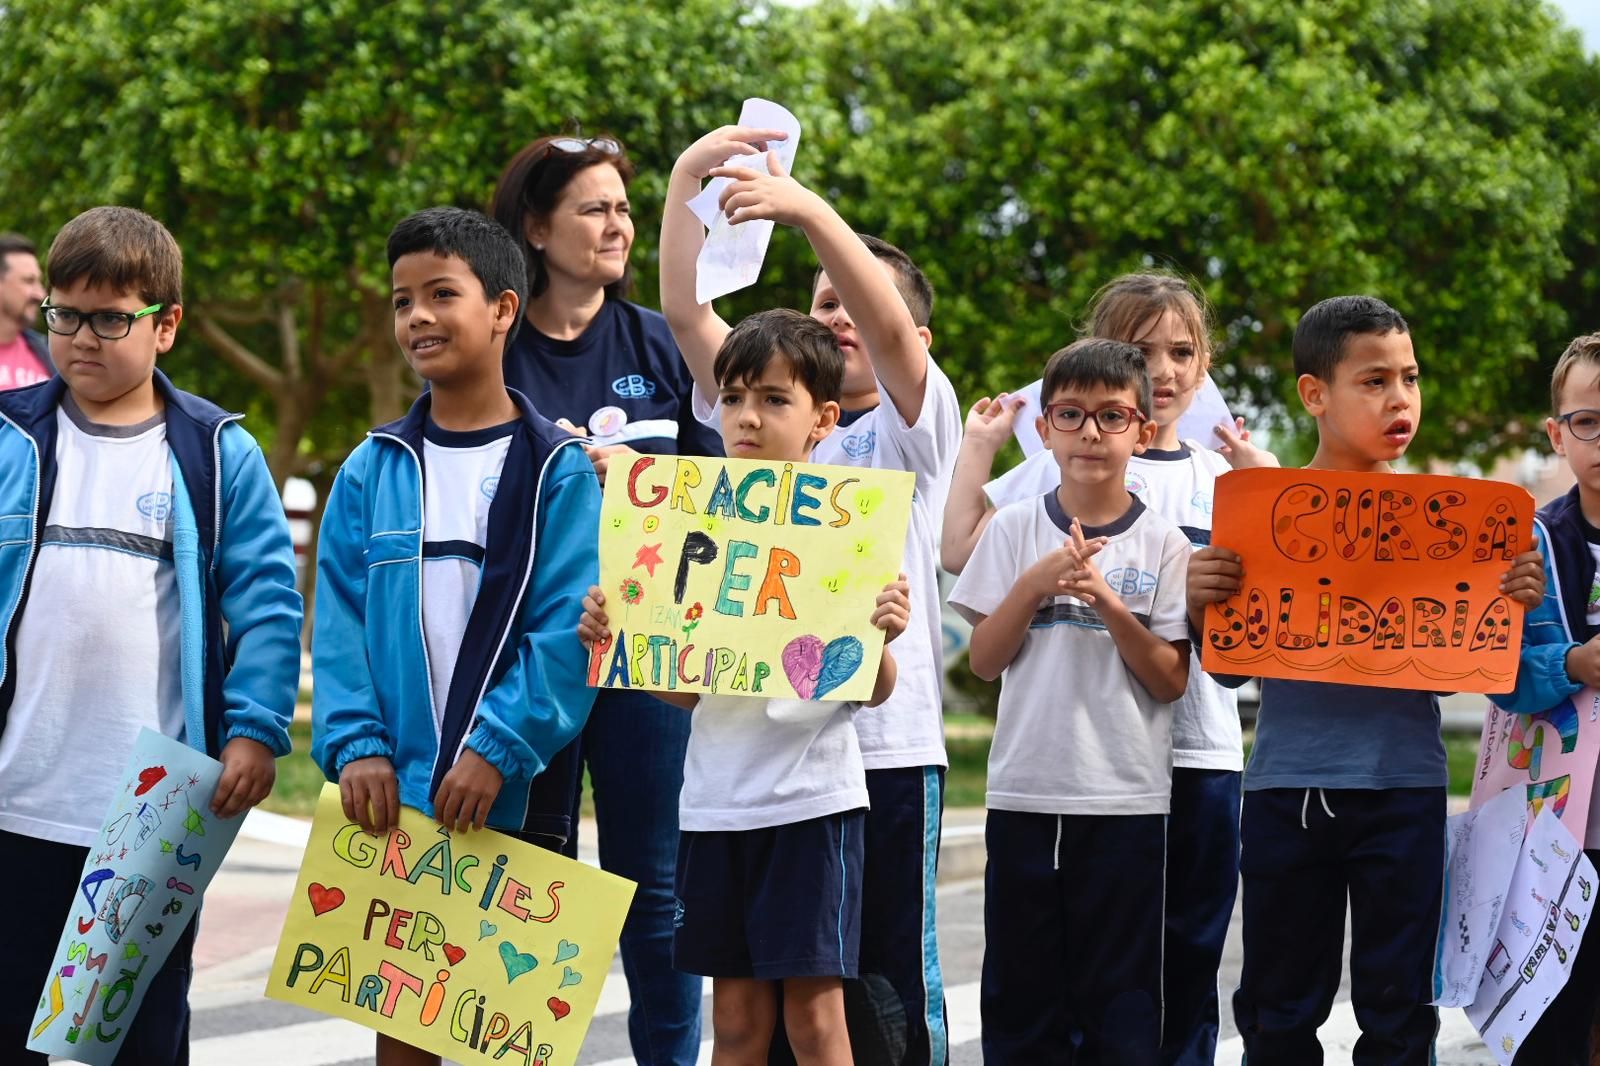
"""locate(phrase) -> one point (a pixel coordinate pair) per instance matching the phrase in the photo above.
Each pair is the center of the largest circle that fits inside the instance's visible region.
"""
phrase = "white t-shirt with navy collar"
(1178, 484)
(461, 471)
(1076, 732)
(99, 643)
(908, 728)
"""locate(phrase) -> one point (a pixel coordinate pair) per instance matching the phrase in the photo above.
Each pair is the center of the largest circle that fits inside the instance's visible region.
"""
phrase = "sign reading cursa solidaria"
(1370, 579)
(735, 575)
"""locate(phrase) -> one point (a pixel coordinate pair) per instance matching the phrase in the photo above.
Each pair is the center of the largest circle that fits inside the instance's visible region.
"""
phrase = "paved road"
(235, 1026)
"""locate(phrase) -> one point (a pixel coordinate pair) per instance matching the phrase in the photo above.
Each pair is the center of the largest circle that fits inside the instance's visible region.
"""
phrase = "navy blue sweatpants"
(1202, 882)
(1072, 918)
(1307, 854)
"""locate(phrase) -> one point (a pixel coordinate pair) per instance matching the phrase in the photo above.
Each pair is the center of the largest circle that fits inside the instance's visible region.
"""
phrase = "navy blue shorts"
(784, 901)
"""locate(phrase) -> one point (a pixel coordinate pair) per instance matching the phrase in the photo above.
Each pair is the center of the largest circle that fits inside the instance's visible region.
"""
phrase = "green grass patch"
(299, 779)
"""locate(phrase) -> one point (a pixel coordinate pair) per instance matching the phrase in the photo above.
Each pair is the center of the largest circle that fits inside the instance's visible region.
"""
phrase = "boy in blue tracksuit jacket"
(455, 551)
(146, 580)
(1561, 655)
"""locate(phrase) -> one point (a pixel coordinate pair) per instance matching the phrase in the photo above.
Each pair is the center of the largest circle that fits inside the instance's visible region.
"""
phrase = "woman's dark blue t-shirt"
(622, 377)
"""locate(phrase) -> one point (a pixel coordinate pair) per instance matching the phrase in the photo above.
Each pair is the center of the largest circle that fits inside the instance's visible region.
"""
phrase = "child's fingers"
(224, 794)
(347, 801)
(736, 174)
(391, 800)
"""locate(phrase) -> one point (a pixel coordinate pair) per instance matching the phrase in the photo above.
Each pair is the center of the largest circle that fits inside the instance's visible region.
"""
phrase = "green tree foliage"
(1439, 154)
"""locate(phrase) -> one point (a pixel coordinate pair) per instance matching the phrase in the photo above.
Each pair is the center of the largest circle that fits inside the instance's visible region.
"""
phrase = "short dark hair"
(809, 347)
(476, 239)
(909, 280)
(1325, 329)
(14, 244)
(1098, 361)
(1583, 351)
(120, 248)
(532, 184)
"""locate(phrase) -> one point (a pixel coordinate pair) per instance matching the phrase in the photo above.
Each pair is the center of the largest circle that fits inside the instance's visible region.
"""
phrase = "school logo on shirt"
(1135, 483)
(1131, 581)
(634, 387)
(155, 505)
(1201, 500)
(488, 486)
(860, 445)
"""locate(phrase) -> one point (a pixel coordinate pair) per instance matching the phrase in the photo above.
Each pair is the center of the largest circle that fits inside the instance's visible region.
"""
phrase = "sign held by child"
(472, 945)
(747, 576)
(1374, 579)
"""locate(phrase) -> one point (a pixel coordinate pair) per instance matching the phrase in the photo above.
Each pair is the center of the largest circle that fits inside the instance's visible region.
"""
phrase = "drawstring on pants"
(1057, 861)
(1305, 804)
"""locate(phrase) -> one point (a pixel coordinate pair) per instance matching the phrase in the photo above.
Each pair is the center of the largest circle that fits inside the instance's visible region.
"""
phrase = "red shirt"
(19, 367)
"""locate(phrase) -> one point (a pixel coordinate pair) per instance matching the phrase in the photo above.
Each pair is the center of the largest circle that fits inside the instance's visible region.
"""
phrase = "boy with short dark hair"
(899, 412)
(478, 519)
(1373, 834)
(1561, 655)
(774, 790)
(1080, 773)
(146, 563)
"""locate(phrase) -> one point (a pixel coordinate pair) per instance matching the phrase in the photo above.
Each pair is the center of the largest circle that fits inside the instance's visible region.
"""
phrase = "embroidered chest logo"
(860, 445)
(1135, 483)
(1201, 500)
(1131, 581)
(634, 387)
(488, 486)
(155, 505)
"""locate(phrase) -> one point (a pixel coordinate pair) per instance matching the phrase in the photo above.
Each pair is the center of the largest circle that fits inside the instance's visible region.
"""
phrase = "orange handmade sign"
(1390, 580)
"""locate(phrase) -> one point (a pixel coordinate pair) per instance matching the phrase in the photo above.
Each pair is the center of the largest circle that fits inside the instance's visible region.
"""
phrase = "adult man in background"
(24, 356)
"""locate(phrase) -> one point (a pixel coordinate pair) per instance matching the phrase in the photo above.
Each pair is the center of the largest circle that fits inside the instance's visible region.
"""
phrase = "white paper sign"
(1484, 845)
(732, 255)
(1542, 924)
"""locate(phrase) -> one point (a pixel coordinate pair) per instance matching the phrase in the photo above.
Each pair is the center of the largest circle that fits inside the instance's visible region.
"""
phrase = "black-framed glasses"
(1112, 418)
(584, 144)
(1584, 424)
(107, 325)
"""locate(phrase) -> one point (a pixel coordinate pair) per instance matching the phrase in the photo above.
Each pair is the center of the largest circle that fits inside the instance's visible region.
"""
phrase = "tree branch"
(243, 359)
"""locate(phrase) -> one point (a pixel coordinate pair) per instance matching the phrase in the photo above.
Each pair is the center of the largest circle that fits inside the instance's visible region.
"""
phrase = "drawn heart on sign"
(324, 899)
(566, 950)
(487, 930)
(815, 669)
(569, 976)
(559, 1007)
(149, 777)
(516, 962)
(454, 954)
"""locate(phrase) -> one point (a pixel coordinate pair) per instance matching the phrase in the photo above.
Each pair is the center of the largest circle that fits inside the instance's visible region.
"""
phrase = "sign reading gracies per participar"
(747, 577)
(1390, 580)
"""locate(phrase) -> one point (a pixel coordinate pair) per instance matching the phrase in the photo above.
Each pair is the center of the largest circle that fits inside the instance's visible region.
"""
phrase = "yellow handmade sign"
(474, 946)
(749, 577)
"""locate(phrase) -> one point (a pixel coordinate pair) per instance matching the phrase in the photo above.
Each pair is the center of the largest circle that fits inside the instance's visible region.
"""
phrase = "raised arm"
(695, 326)
(899, 356)
(966, 510)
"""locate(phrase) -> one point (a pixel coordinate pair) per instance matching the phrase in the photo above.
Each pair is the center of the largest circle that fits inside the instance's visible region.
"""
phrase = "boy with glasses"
(147, 579)
(1077, 602)
(1561, 654)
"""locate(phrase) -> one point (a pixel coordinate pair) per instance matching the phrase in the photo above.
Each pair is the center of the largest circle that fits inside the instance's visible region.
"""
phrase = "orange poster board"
(1369, 579)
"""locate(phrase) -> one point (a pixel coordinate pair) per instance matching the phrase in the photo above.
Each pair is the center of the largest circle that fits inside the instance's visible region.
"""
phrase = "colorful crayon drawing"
(1549, 757)
(1372, 579)
(474, 946)
(157, 850)
(731, 575)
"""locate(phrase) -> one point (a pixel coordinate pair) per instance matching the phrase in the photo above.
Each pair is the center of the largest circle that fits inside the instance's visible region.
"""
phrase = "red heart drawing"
(454, 954)
(323, 899)
(559, 1007)
(148, 779)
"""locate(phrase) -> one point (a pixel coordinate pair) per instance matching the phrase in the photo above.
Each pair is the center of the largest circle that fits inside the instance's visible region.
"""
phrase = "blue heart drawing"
(570, 976)
(487, 929)
(566, 950)
(840, 659)
(516, 962)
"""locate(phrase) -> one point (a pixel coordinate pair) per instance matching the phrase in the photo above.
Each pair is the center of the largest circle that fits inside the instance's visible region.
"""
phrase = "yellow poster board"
(473, 945)
(748, 577)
